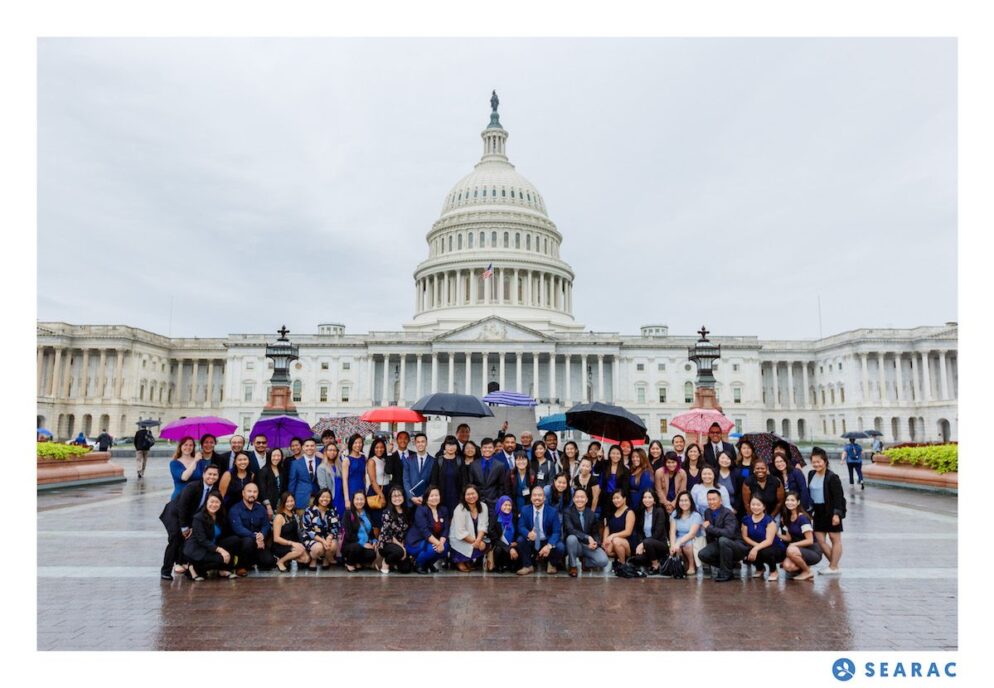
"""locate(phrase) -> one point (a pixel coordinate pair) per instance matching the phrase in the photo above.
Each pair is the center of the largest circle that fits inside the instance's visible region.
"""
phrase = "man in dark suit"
(177, 517)
(724, 538)
(551, 440)
(259, 456)
(489, 474)
(583, 538)
(715, 447)
(539, 535)
(303, 481)
(417, 470)
(395, 460)
(226, 461)
(509, 445)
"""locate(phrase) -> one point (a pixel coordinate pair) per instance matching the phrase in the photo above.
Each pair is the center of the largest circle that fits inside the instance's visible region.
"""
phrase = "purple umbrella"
(196, 427)
(501, 398)
(279, 430)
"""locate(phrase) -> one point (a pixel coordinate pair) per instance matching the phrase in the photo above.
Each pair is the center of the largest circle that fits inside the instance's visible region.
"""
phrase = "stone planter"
(883, 471)
(88, 469)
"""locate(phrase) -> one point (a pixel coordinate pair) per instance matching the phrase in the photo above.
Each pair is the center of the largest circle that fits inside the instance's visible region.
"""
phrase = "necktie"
(583, 525)
(421, 464)
(203, 497)
(539, 533)
(310, 467)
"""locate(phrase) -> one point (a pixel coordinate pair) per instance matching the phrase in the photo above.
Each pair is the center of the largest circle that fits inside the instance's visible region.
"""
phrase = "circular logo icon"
(843, 669)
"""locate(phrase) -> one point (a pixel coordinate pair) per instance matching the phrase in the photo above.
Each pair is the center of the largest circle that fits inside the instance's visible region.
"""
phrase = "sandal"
(281, 567)
(179, 568)
(224, 574)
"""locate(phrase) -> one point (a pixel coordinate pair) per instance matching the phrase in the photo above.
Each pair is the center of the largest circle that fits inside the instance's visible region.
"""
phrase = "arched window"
(483, 239)
(298, 389)
(476, 193)
(512, 193)
(493, 239)
(688, 392)
(546, 244)
(459, 242)
(450, 242)
(517, 240)
(469, 239)
(507, 239)
(503, 192)
(493, 192)
(528, 242)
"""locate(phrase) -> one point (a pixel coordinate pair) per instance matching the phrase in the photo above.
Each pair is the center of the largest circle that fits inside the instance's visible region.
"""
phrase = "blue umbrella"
(556, 423)
(509, 399)
(279, 430)
(734, 435)
(45, 432)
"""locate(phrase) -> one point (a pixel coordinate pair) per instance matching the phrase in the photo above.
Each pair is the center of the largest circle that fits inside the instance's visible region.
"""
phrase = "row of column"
(790, 400)
(544, 367)
(182, 385)
(520, 288)
(55, 372)
(921, 376)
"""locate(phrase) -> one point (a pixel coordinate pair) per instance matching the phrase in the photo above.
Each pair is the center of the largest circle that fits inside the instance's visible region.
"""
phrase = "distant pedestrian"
(853, 454)
(104, 440)
(144, 440)
(877, 446)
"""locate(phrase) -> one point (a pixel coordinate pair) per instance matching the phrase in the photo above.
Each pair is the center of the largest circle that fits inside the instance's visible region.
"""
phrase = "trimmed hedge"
(941, 458)
(60, 452)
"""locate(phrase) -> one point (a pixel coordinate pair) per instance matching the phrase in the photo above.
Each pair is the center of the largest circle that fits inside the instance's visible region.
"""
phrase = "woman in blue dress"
(685, 523)
(329, 475)
(446, 474)
(759, 532)
(186, 467)
(642, 477)
(558, 495)
(614, 477)
(354, 469)
(619, 523)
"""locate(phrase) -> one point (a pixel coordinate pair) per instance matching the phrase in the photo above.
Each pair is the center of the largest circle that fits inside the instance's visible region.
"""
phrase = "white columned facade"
(417, 382)
(790, 384)
(485, 374)
(926, 377)
(776, 385)
(56, 370)
(569, 379)
(583, 378)
(119, 374)
(882, 374)
(804, 381)
(899, 377)
(402, 396)
(371, 376)
(84, 381)
(916, 389)
(193, 382)
(452, 372)
(210, 381)
(517, 371)
(865, 378)
(600, 377)
(385, 400)
(943, 377)
(434, 373)
(552, 378)
(468, 388)
(67, 373)
(40, 370)
(535, 392)
(501, 378)
(102, 379)
(614, 379)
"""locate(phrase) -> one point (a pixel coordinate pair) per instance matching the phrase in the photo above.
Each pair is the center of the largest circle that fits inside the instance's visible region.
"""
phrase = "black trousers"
(248, 554)
(355, 554)
(858, 468)
(529, 554)
(174, 546)
(502, 557)
(211, 561)
(392, 553)
(655, 550)
(724, 553)
(770, 557)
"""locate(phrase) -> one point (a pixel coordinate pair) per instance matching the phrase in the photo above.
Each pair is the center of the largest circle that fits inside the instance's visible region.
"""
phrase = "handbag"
(673, 567)
(375, 501)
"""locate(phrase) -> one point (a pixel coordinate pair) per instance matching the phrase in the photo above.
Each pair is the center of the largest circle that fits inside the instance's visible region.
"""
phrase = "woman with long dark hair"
(828, 509)
(520, 482)
(791, 476)
(571, 459)
(396, 523)
(376, 478)
(359, 544)
(287, 546)
(685, 524)
(642, 476)
(353, 469)
(542, 464)
(234, 481)
(651, 537)
(321, 530)
(692, 464)
(329, 476)
(797, 532)
(201, 549)
(558, 495)
(619, 523)
(586, 480)
(186, 467)
(468, 530)
(656, 453)
(614, 478)
(759, 532)
(728, 477)
(272, 482)
(445, 473)
(428, 539)
(671, 480)
(746, 455)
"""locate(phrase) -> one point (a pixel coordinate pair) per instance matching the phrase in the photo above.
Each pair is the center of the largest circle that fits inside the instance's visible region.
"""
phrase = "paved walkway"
(99, 550)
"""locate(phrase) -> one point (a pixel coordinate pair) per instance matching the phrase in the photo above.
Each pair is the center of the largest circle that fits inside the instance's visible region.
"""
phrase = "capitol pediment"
(493, 329)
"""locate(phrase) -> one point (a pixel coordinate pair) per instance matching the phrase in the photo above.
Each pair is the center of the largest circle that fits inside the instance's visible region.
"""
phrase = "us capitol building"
(514, 328)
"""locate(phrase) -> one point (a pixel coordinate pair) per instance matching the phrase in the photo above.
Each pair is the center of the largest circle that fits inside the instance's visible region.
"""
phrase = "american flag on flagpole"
(489, 272)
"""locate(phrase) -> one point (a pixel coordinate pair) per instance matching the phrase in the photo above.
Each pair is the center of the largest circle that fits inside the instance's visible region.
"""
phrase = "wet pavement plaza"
(99, 551)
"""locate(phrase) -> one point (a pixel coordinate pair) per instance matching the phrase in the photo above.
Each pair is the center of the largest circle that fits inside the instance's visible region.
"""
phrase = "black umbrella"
(606, 420)
(763, 443)
(148, 423)
(874, 433)
(446, 404)
(855, 435)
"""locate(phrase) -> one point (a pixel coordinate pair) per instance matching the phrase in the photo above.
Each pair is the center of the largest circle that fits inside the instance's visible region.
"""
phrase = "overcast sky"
(207, 187)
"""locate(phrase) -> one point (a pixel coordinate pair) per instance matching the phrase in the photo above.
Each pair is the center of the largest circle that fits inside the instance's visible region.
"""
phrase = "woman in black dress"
(201, 549)
(272, 482)
(287, 546)
(234, 480)
(396, 522)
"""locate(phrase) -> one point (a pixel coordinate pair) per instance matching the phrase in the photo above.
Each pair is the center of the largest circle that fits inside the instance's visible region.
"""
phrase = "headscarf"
(506, 520)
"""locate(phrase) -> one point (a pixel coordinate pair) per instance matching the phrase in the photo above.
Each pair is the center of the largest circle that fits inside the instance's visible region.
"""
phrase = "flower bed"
(927, 466)
(941, 458)
(73, 466)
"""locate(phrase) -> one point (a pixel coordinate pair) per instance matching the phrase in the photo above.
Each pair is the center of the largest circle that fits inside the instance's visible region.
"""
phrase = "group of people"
(507, 504)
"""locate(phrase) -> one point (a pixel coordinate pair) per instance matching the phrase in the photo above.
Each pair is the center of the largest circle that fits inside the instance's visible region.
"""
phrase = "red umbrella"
(700, 421)
(392, 414)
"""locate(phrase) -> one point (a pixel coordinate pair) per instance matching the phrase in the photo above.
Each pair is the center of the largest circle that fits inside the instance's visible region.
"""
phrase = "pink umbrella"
(196, 427)
(700, 420)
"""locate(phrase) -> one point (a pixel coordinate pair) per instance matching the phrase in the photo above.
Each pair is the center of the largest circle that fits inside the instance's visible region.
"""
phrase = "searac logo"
(844, 669)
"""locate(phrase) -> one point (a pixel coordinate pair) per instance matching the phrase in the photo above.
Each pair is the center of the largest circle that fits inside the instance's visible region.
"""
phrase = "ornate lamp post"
(704, 353)
(280, 396)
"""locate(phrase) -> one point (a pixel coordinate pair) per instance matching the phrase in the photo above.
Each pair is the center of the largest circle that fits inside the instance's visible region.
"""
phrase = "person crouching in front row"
(583, 542)
(539, 535)
(359, 545)
(470, 523)
(428, 539)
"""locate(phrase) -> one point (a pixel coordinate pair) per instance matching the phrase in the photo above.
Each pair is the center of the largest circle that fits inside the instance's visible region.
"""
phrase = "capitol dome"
(494, 251)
